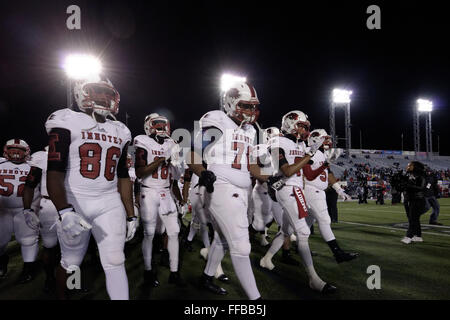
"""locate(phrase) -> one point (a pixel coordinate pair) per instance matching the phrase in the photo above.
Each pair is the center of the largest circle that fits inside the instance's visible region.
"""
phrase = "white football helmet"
(97, 94)
(318, 133)
(296, 123)
(157, 124)
(240, 102)
(17, 151)
(269, 133)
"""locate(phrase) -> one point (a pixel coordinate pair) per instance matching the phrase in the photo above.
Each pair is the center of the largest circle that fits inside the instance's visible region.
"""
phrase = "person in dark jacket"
(414, 200)
(431, 194)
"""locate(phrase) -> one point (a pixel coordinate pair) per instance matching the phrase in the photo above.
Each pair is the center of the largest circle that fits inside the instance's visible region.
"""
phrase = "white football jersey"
(12, 183)
(39, 160)
(321, 181)
(228, 156)
(161, 177)
(94, 152)
(293, 153)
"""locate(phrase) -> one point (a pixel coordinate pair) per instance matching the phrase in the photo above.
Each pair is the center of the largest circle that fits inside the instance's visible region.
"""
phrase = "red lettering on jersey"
(82, 135)
(110, 138)
(103, 137)
(90, 136)
(97, 136)
(115, 140)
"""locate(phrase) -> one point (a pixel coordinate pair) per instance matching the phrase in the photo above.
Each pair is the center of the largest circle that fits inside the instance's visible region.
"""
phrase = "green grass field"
(415, 271)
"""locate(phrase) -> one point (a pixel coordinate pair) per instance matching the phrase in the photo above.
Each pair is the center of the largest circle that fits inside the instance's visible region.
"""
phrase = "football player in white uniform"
(262, 203)
(13, 174)
(291, 154)
(317, 178)
(88, 182)
(227, 181)
(199, 218)
(154, 156)
(45, 218)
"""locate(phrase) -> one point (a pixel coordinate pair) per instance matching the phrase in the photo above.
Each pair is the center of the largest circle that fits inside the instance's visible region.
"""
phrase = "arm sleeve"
(311, 174)
(137, 187)
(187, 175)
(34, 177)
(122, 169)
(140, 158)
(58, 149)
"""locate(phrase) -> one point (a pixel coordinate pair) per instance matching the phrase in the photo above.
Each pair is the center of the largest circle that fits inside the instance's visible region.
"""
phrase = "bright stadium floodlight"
(228, 80)
(424, 105)
(82, 66)
(341, 96)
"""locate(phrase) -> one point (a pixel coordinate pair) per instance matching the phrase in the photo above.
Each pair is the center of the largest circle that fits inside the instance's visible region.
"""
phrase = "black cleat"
(206, 282)
(175, 279)
(343, 256)
(223, 278)
(3, 265)
(27, 274)
(435, 223)
(150, 278)
(328, 288)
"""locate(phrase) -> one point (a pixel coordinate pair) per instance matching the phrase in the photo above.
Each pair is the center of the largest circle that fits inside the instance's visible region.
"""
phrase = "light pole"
(402, 141)
(79, 67)
(424, 106)
(341, 97)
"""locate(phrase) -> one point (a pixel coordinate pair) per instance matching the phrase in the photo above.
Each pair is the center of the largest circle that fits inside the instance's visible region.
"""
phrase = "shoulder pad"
(38, 159)
(215, 118)
(3, 160)
(141, 141)
(70, 120)
(123, 128)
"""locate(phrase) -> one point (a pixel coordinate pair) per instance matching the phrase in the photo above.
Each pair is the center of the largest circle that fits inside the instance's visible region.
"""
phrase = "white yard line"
(391, 228)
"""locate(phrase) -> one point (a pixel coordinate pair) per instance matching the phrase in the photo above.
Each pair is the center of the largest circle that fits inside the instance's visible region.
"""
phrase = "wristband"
(65, 210)
(133, 218)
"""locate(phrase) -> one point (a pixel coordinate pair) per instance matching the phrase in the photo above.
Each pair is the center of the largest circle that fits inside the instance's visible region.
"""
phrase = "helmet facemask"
(246, 112)
(102, 98)
(15, 154)
(158, 126)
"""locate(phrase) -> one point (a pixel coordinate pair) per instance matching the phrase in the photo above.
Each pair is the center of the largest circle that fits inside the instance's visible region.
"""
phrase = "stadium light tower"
(423, 106)
(341, 97)
(226, 81)
(80, 66)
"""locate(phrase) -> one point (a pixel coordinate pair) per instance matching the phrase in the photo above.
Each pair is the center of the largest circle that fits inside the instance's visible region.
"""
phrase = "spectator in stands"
(415, 202)
(431, 194)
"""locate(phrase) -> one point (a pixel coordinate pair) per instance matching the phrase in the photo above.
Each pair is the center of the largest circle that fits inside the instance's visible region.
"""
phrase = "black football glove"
(207, 179)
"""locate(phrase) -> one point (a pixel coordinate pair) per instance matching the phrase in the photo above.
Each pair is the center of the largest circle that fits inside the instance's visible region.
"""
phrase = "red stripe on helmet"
(252, 91)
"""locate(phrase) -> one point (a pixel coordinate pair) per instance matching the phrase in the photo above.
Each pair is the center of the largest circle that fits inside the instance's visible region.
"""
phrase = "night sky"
(168, 57)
